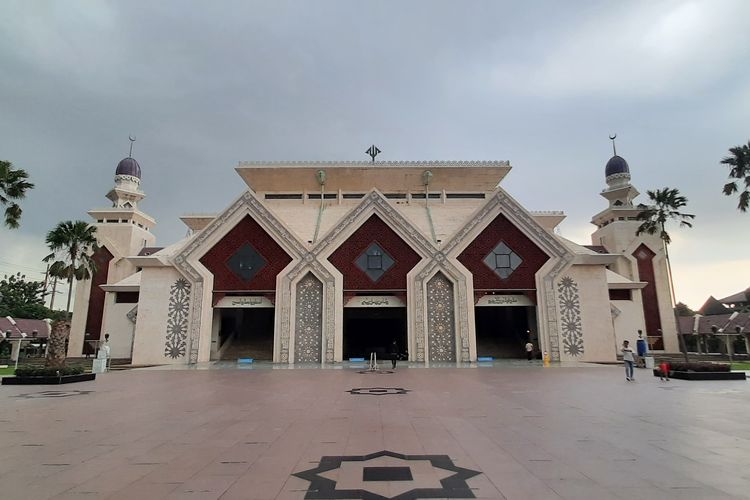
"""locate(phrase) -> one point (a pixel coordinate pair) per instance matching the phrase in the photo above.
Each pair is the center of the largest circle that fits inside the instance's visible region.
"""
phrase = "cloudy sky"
(203, 85)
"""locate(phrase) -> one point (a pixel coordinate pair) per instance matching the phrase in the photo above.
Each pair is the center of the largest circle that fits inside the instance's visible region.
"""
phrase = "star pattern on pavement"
(378, 391)
(386, 475)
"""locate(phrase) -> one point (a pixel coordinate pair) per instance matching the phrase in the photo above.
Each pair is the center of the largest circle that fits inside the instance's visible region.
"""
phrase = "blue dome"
(128, 166)
(616, 165)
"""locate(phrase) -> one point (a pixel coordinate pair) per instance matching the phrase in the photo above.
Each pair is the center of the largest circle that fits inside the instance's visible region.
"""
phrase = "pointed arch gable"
(187, 259)
(375, 234)
(433, 260)
(246, 204)
(560, 257)
(502, 203)
(374, 203)
(317, 260)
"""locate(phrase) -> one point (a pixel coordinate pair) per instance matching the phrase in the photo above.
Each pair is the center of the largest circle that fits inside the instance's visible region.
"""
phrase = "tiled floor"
(532, 433)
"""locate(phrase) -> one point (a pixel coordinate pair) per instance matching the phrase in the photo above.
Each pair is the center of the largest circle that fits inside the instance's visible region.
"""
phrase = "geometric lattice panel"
(308, 326)
(374, 262)
(441, 332)
(502, 260)
(570, 316)
(246, 262)
(177, 319)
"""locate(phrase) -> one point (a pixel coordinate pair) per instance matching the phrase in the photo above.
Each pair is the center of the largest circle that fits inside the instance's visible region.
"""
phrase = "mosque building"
(320, 262)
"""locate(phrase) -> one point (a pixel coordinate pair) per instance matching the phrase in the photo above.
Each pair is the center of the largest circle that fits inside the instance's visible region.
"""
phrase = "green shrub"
(40, 371)
(701, 366)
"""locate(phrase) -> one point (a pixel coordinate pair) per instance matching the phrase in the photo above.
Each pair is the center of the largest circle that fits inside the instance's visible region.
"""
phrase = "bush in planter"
(700, 367)
(38, 371)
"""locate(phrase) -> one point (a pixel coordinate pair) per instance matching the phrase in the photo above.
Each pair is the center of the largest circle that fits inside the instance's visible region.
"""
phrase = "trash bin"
(99, 365)
(649, 360)
(641, 347)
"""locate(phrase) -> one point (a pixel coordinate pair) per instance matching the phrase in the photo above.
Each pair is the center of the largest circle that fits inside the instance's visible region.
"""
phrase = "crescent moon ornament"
(614, 148)
(132, 140)
(611, 137)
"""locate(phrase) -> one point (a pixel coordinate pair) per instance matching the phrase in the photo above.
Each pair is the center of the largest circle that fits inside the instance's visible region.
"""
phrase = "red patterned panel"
(96, 295)
(246, 231)
(645, 257)
(374, 231)
(501, 229)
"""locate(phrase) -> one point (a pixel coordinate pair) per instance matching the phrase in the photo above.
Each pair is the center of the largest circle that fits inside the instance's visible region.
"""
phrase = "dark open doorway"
(501, 331)
(249, 331)
(372, 329)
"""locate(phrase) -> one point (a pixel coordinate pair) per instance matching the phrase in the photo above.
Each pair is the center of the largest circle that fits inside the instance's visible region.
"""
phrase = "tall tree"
(73, 245)
(664, 207)
(739, 163)
(13, 187)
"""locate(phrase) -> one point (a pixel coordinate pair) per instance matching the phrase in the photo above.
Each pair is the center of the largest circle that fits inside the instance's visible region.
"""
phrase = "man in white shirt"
(627, 357)
(529, 350)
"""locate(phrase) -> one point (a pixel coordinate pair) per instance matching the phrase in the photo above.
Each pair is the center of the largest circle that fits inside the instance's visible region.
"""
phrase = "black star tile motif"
(52, 394)
(453, 485)
(378, 391)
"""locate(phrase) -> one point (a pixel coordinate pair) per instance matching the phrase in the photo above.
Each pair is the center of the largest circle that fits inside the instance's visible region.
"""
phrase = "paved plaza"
(508, 430)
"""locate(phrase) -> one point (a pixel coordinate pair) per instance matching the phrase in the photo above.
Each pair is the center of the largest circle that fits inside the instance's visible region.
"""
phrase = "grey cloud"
(204, 85)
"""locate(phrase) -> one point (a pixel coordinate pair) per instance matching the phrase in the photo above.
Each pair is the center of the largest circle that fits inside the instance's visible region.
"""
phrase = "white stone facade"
(439, 210)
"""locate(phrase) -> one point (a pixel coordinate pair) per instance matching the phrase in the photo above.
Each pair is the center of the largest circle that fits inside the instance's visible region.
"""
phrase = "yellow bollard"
(546, 358)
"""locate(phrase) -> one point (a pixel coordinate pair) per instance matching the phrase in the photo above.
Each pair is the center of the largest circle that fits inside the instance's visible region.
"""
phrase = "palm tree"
(13, 186)
(665, 205)
(740, 170)
(73, 245)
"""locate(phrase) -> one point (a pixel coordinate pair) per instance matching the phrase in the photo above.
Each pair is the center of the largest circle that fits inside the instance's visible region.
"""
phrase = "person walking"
(627, 357)
(529, 350)
(394, 353)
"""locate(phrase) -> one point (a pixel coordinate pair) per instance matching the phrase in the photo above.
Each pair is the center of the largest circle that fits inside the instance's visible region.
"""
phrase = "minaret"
(121, 231)
(642, 256)
(124, 218)
(617, 224)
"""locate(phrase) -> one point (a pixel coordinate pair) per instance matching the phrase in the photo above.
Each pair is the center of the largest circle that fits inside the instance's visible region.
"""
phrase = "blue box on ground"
(245, 360)
(355, 360)
(485, 358)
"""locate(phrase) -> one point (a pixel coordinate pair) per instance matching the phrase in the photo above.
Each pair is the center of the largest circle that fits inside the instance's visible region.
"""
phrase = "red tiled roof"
(739, 297)
(687, 323)
(27, 326)
(712, 307)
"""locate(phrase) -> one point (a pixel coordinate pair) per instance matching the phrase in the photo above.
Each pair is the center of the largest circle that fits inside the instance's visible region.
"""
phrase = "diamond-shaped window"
(502, 260)
(374, 262)
(246, 262)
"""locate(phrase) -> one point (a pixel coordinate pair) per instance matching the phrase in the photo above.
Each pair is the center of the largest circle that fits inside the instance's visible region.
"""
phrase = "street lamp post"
(17, 347)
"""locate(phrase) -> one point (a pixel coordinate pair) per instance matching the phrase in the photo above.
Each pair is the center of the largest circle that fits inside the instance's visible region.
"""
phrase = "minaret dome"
(617, 172)
(128, 166)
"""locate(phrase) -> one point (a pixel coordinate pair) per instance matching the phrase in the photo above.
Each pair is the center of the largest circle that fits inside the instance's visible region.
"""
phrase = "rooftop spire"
(373, 152)
(132, 140)
(614, 148)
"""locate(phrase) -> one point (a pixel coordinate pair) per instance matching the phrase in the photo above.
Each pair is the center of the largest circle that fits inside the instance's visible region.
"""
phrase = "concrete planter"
(704, 375)
(65, 379)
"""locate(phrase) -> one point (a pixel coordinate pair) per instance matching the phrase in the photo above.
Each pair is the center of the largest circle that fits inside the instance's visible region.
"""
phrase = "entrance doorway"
(373, 329)
(249, 332)
(501, 331)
